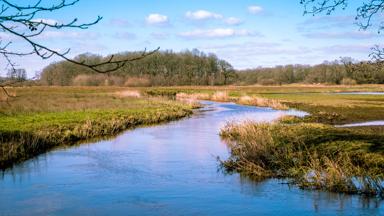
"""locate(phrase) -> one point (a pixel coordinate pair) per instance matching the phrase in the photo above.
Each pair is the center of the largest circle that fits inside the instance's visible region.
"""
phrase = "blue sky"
(246, 33)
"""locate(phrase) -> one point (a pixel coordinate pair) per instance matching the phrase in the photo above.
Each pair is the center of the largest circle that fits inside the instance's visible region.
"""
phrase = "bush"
(97, 80)
(137, 82)
(348, 81)
(267, 82)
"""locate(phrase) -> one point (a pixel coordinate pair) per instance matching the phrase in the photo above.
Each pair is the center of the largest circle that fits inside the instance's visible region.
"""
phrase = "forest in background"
(163, 68)
(345, 71)
(168, 68)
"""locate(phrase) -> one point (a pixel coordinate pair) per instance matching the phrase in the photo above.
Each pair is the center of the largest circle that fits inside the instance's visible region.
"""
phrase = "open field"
(40, 118)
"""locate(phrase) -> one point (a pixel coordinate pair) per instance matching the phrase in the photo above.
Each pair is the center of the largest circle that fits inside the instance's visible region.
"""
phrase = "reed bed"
(262, 102)
(192, 99)
(129, 93)
(314, 156)
(220, 96)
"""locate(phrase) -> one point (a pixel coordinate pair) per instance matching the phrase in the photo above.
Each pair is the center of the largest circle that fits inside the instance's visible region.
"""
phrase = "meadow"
(38, 119)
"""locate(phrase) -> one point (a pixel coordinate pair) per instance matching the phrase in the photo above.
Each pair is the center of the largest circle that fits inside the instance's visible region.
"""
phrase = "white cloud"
(358, 35)
(202, 15)
(159, 35)
(47, 21)
(51, 35)
(125, 35)
(156, 19)
(215, 33)
(6, 36)
(254, 9)
(346, 49)
(119, 22)
(233, 21)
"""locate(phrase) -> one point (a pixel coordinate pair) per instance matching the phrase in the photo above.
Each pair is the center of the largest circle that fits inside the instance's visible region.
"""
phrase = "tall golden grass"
(128, 93)
(221, 96)
(262, 102)
(315, 156)
(137, 82)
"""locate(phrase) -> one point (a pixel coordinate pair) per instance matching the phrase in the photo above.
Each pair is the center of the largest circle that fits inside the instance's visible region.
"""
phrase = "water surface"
(363, 124)
(361, 93)
(169, 169)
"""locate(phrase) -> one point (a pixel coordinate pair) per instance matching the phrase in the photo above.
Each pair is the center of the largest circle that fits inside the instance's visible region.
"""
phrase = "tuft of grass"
(262, 102)
(128, 93)
(192, 99)
(221, 96)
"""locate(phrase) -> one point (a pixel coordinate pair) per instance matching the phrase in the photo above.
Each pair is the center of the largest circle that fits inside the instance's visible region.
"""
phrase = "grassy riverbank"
(41, 118)
(314, 156)
(310, 151)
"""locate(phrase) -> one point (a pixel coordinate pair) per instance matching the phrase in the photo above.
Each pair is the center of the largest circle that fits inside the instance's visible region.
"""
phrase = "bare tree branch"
(24, 22)
(377, 53)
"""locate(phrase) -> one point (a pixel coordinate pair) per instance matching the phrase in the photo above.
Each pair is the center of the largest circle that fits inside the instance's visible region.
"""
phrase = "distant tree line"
(168, 68)
(163, 68)
(14, 74)
(344, 71)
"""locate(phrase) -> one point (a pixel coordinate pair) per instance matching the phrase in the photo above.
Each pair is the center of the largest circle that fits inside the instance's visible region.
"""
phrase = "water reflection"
(164, 170)
(363, 124)
(361, 93)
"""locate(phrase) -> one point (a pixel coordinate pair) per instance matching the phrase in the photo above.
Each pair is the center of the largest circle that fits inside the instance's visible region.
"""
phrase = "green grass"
(39, 119)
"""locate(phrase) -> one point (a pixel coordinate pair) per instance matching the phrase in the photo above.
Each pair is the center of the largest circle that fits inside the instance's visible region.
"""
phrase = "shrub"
(267, 82)
(137, 82)
(97, 80)
(348, 81)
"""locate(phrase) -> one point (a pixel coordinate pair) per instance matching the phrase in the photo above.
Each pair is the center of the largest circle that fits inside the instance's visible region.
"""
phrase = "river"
(169, 169)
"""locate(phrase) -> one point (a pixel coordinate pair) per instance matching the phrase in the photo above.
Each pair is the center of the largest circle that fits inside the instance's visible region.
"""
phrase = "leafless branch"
(23, 22)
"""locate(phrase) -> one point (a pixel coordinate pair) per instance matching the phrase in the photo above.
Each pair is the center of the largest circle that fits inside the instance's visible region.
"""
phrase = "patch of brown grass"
(137, 82)
(262, 102)
(220, 96)
(129, 93)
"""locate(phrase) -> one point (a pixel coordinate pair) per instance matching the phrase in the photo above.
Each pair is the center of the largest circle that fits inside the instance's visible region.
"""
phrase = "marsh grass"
(220, 96)
(262, 102)
(192, 99)
(39, 119)
(315, 156)
(128, 93)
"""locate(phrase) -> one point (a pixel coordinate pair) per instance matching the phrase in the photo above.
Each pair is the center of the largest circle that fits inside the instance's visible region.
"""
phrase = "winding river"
(170, 169)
